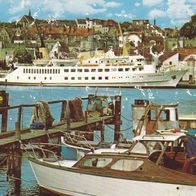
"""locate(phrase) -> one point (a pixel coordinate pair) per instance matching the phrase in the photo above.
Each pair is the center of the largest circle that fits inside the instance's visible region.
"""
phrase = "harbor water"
(186, 98)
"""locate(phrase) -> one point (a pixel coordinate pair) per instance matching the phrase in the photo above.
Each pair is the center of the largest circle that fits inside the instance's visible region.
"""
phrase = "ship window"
(79, 78)
(42, 70)
(66, 78)
(93, 78)
(58, 71)
(93, 70)
(127, 69)
(89, 62)
(100, 70)
(17, 77)
(73, 70)
(34, 78)
(34, 71)
(170, 63)
(45, 78)
(86, 78)
(97, 162)
(127, 165)
(45, 71)
(140, 68)
(50, 71)
(133, 69)
(86, 70)
(107, 70)
(23, 70)
(100, 78)
(37, 71)
(72, 78)
(120, 69)
(29, 77)
(108, 61)
(106, 78)
(50, 78)
(61, 65)
(95, 61)
(79, 70)
(165, 115)
(66, 70)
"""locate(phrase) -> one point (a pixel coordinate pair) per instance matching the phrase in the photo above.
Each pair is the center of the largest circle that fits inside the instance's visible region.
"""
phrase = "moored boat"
(116, 173)
(109, 70)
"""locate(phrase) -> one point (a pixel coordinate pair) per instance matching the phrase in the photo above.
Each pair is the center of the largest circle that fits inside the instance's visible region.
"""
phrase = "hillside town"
(176, 47)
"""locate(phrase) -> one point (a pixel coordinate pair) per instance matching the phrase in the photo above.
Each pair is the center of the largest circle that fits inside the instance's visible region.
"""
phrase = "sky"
(168, 13)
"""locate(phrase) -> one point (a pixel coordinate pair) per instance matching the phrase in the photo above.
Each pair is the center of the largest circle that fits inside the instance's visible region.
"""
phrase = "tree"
(189, 28)
(22, 55)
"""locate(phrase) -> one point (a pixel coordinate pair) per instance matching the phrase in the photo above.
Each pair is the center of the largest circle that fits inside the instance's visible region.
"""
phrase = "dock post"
(117, 118)
(4, 98)
(86, 116)
(18, 133)
(102, 130)
(14, 167)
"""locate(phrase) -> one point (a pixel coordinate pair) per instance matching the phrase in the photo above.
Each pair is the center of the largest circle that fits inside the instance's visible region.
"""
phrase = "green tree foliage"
(21, 55)
(189, 28)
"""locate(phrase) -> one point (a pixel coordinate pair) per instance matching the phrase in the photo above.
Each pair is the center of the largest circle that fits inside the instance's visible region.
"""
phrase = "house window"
(120, 69)
(86, 70)
(100, 70)
(106, 78)
(93, 78)
(100, 78)
(86, 78)
(66, 70)
(73, 70)
(66, 78)
(127, 69)
(79, 78)
(107, 70)
(72, 78)
(93, 70)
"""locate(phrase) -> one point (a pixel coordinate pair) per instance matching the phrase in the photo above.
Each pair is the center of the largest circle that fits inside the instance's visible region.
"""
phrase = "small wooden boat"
(141, 170)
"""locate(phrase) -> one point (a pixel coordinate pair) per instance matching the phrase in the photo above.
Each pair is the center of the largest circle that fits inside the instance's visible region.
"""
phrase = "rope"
(126, 118)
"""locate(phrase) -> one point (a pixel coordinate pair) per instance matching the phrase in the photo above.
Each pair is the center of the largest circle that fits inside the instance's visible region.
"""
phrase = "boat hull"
(69, 181)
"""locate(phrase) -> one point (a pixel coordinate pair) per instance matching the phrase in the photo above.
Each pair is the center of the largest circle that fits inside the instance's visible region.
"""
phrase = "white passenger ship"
(110, 70)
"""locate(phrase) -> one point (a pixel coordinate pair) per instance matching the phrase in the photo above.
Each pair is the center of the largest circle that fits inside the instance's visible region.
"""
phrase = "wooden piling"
(14, 166)
(4, 97)
(117, 118)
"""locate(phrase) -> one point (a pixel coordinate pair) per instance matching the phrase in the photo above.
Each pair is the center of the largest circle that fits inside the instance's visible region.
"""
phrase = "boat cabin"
(149, 117)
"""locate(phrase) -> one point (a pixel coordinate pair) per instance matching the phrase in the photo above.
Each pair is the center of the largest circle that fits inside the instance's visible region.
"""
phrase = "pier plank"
(56, 129)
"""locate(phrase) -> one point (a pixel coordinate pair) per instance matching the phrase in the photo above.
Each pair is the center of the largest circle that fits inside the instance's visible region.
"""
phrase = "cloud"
(124, 14)
(151, 2)
(137, 4)
(156, 13)
(58, 8)
(178, 11)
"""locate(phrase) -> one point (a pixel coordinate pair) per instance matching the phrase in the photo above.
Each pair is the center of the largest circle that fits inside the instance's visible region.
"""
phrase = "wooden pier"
(93, 120)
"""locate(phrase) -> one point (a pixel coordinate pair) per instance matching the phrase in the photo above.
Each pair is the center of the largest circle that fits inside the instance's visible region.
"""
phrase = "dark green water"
(21, 95)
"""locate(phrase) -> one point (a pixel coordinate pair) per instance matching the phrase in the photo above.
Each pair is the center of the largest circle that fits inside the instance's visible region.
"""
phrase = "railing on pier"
(18, 124)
